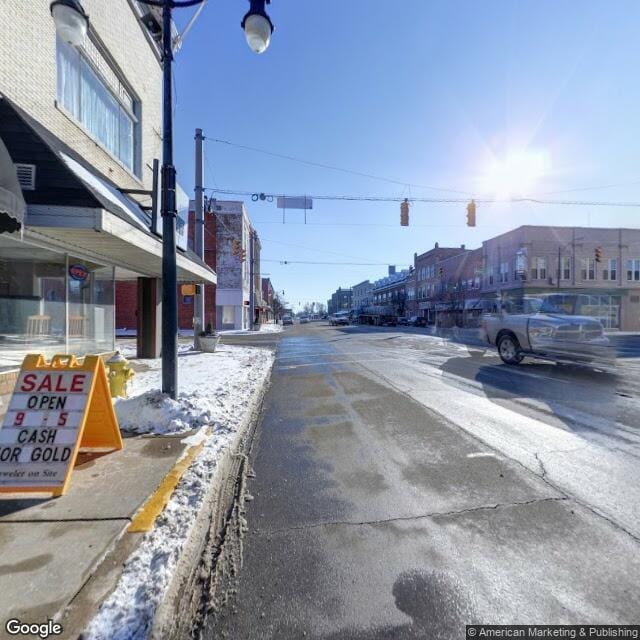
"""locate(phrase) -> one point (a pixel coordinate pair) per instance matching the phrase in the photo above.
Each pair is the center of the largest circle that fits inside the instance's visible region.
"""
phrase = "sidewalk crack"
(434, 514)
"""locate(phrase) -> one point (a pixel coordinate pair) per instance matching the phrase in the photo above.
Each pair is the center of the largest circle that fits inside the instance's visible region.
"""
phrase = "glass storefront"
(52, 303)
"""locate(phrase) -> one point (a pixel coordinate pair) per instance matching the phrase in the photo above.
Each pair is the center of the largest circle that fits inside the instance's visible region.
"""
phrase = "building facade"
(233, 257)
(268, 294)
(391, 291)
(361, 295)
(82, 129)
(428, 279)
(341, 300)
(595, 270)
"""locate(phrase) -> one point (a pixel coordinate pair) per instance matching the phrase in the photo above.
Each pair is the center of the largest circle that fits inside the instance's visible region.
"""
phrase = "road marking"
(144, 520)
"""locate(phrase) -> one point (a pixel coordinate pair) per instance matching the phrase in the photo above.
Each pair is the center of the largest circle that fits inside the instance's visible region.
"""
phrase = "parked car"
(287, 320)
(304, 319)
(537, 327)
(403, 322)
(417, 321)
(340, 318)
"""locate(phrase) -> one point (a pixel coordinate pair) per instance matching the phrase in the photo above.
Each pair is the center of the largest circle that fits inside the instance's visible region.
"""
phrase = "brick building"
(428, 279)
(267, 298)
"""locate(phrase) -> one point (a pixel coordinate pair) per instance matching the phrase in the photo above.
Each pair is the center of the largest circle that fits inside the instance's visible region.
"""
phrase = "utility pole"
(199, 321)
(251, 287)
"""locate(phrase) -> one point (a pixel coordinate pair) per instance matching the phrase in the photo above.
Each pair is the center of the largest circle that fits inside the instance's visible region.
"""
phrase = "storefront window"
(48, 305)
(91, 307)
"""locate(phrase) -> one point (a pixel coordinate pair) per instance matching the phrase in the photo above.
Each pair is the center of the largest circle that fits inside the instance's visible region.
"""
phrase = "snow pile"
(208, 383)
(225, 386)
(153, 412)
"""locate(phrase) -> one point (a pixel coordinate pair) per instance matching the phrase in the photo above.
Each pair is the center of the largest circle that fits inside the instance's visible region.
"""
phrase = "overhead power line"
(321, 165)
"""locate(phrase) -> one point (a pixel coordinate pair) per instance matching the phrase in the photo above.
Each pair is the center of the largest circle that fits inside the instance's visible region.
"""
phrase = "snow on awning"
(11, 200)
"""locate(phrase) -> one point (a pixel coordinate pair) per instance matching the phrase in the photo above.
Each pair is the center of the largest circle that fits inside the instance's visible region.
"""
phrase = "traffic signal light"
(404, 213)
(243, 255)
(235, 247)
(471, 214)
(599, 254)
(440, 272)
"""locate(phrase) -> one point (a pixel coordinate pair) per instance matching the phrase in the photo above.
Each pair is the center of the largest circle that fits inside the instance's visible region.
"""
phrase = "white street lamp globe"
(71, 21)
(257, 31)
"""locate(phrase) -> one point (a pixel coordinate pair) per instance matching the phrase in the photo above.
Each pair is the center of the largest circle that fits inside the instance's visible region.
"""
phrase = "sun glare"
(516, 174)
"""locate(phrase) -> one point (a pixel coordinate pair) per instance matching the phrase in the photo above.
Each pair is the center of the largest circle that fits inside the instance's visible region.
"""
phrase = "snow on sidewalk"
(216, 389)
(268, 327)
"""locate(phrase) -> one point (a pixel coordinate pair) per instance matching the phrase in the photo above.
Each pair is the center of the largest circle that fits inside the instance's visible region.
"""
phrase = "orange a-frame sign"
(57, 409)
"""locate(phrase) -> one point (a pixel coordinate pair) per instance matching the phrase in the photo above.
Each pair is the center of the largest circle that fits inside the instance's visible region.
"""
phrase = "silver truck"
(543, 328)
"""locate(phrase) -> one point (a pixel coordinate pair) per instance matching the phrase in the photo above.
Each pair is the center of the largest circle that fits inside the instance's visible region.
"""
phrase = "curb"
(192, 591)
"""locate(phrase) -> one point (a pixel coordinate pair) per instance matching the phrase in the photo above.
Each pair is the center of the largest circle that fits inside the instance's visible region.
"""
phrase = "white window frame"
(88, 59)
(633, 269)
(538, 268)
(587, 269)
(565, 267)
(611, 272)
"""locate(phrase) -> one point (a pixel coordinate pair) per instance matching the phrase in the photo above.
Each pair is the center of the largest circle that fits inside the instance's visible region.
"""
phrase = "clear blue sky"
(420, 91)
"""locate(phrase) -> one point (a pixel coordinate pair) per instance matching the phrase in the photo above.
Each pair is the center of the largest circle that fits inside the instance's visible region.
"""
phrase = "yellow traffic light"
(471, 214)
(235, 247)
(599, 254)
(404, 213)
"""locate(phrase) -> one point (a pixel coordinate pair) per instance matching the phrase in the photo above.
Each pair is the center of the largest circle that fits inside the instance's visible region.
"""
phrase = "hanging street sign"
(297, 202)
(57, 409)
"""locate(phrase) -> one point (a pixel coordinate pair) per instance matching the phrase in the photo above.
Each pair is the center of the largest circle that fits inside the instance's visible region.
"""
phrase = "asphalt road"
(406, 486)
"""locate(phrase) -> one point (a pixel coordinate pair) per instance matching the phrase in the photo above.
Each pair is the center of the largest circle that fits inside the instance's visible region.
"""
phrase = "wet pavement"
(379, 512)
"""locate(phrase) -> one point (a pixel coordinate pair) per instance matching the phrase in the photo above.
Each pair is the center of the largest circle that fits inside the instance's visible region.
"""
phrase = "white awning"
(106, 238)
(11, 200)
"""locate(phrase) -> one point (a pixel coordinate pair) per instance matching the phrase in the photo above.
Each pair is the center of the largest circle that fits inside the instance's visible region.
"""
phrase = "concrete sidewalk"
(51, 547)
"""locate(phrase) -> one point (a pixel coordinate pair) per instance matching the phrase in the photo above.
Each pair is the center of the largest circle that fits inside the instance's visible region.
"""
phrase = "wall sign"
(57, 408)
(78, 272)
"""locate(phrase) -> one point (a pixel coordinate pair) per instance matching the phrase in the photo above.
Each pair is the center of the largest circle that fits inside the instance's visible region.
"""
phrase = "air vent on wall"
(26, 176)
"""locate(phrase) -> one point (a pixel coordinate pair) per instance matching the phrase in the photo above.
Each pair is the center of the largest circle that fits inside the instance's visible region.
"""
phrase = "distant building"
(341, 300)
(391, 291)
(361, 294)
(267, 297)
(427, 280)
(233, 239)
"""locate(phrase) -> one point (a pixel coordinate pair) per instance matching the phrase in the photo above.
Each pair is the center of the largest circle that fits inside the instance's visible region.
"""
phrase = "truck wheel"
(509, 349)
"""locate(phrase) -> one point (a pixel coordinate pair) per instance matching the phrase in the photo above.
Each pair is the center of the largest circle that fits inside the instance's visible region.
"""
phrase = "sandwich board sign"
(57, 409)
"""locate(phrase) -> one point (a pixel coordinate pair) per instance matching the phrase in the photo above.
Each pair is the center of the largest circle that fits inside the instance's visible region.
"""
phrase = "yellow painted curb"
(145, 518)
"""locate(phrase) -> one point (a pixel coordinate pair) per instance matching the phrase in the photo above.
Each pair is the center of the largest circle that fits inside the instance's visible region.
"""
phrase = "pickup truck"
(539, 328)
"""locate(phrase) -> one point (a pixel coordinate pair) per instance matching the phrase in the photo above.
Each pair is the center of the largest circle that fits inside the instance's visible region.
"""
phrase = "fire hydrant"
(119, 374)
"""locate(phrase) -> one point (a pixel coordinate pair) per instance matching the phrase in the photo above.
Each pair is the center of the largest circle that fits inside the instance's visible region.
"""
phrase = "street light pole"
(168, 212)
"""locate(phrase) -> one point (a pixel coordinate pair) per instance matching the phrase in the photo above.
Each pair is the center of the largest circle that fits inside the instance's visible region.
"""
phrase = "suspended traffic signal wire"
(322, 165)
(512, 200)
(351, 264)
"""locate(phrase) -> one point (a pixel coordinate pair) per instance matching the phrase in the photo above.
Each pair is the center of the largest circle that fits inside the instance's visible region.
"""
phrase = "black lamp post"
(72, 25)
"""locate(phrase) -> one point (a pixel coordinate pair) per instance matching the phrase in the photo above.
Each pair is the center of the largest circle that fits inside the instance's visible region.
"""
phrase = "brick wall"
(126, 304)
